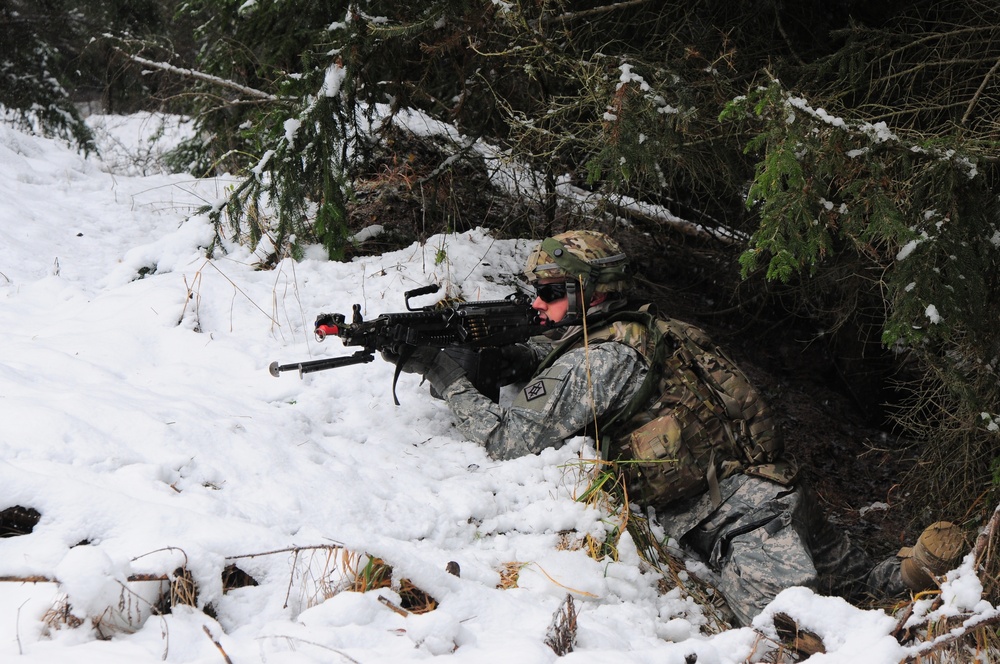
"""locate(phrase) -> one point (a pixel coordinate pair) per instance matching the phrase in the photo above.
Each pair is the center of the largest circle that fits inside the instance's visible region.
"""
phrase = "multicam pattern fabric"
(700, 419)
(629, 333)
(589, 246)
(708, 422)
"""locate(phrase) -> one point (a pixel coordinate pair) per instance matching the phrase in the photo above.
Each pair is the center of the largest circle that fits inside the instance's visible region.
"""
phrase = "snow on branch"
(983, 614)
(201, 76)
(878, 132)
(513, 176)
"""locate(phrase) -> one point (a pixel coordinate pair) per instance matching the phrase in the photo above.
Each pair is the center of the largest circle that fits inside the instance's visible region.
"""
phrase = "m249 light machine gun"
(473, 333)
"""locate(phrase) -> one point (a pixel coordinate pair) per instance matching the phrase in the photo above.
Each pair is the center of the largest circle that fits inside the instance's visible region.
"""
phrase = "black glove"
(517, 364)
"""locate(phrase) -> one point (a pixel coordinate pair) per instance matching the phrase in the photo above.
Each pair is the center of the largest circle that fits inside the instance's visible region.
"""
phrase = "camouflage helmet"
(589, 255)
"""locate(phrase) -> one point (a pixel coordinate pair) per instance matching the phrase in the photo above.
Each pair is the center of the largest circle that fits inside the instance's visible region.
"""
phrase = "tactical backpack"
(694, 421)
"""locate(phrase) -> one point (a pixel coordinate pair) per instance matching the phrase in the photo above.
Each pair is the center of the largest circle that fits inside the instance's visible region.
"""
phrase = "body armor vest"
(694, 421)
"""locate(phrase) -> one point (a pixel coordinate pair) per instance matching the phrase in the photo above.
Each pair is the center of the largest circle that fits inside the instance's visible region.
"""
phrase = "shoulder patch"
(535, 390)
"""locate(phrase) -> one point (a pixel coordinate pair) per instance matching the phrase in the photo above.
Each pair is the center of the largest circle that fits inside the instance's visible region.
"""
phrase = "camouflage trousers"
(765, 537)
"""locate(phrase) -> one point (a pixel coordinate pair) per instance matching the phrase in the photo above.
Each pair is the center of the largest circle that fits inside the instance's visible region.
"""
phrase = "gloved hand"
(517, 363)
(416, 360)
(433, 364)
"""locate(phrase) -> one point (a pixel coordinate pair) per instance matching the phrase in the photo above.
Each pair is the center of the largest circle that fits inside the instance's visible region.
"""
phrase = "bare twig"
(318, 645)
(217, 644)
(784, 35)
(17, 628)
(395, 607)
(166, 548)
(290, 549)
(291, 577)
(921, 651)
(587, 13)
(240, 291)
(987, 534)
(979, 91)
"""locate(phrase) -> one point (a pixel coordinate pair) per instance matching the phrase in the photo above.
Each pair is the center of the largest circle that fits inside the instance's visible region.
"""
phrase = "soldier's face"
(551, 302)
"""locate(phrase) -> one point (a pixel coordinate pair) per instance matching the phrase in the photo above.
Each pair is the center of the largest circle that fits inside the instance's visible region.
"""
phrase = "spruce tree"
(37, 42)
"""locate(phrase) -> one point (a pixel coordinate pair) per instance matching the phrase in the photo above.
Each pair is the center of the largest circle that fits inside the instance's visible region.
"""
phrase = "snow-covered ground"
(137, 416)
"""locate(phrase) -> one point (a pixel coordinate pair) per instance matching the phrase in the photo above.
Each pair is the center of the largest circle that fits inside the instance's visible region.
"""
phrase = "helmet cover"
(572, 255)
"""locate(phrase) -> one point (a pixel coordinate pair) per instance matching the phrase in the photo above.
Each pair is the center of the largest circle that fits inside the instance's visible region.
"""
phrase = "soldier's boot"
(937, 551)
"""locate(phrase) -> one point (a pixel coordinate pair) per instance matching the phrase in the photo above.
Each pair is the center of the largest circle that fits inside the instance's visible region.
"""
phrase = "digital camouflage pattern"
(555, 404)
(695, 421)
(761, 538)
(764, 538)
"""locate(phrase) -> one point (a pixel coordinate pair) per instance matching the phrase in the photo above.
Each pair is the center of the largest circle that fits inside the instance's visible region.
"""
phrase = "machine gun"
(473, 333)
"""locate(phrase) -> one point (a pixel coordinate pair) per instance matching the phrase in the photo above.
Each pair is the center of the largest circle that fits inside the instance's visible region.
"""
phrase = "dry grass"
(60, 615)
(607, 492)
(509, 573)
(135, 604)
(561, 635)
(365, 573)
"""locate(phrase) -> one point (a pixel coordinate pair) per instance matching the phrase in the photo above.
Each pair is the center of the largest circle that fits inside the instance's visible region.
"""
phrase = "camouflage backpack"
(695, 420)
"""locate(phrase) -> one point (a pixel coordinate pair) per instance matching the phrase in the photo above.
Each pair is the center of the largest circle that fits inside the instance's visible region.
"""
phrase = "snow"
(140, 421)
(628, 76)
(292, 127)
(819, 113)
(333, 79)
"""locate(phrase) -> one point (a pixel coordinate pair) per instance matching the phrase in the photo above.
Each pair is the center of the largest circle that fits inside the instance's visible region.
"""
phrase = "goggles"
(550, 292)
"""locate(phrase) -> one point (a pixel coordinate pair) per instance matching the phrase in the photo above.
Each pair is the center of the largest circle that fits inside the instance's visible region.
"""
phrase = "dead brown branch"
(983, 541)
(36, 578)
(392, 605)
(802, 641)
(979, 91)
(565, 17)
(956, 633)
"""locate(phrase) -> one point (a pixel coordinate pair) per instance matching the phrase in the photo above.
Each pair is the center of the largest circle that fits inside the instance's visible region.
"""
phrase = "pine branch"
(201, 76)
(587, 13)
